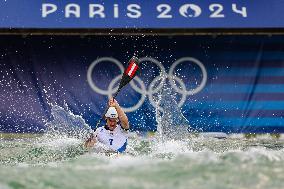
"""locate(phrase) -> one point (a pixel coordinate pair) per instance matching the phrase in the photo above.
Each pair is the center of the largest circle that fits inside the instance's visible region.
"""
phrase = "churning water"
(168, 160)
(62, 162)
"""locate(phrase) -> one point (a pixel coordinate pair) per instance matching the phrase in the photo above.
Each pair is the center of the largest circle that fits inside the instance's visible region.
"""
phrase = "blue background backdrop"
(244, 91)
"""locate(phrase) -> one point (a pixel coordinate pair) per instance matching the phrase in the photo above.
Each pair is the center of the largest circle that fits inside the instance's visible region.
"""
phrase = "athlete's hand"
(90, 142)
(112, 103)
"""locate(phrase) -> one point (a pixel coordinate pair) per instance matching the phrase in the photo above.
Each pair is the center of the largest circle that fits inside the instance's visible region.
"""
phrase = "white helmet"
(111, 113)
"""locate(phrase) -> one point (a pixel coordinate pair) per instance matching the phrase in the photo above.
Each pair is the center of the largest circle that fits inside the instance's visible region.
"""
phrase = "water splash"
(63, 140)
(171, 122)
(65, 123)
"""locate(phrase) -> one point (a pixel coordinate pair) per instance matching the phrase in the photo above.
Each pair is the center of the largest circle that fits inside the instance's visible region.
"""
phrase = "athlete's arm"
(121, 114)
(91, 141)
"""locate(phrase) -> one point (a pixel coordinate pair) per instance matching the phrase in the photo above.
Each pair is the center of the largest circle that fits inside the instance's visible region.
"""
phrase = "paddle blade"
(132, 67)
(130, 72)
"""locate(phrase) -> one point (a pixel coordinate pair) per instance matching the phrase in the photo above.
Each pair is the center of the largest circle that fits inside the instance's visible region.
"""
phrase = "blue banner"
(224, 83)
(141, 14)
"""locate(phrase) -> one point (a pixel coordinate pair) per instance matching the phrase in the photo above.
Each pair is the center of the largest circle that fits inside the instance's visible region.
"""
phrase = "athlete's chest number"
(110, 141)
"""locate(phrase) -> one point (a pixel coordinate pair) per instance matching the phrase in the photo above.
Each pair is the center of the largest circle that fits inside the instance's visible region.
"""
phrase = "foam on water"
(171, 159)
(199, 162)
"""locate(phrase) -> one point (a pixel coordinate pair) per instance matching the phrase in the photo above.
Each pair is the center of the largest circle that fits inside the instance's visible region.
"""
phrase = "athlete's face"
(111, 123)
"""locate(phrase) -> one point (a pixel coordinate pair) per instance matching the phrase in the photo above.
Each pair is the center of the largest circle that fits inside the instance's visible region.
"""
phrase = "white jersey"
(115, 140)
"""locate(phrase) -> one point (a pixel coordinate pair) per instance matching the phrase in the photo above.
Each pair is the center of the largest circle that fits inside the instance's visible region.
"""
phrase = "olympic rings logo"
(152, 88)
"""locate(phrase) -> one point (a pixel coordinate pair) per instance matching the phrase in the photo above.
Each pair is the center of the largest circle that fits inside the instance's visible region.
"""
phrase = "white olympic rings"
(152, 88)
